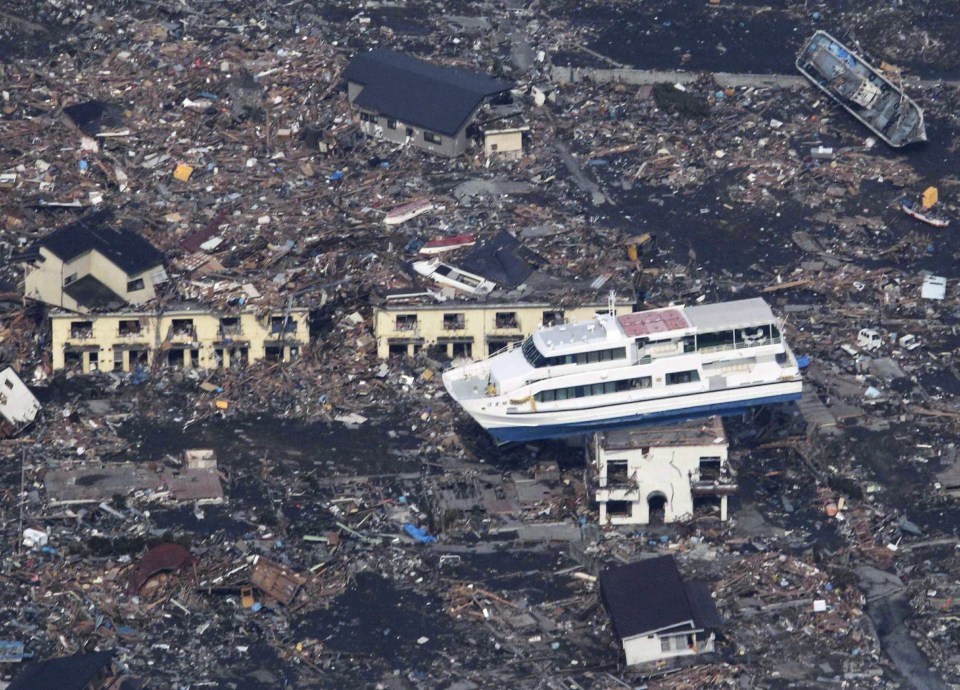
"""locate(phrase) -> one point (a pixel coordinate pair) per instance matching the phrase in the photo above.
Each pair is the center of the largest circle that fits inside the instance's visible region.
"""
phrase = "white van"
(869, 339)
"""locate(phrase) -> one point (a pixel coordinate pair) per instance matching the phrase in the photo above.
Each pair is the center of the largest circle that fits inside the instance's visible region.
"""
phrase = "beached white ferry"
(647, 367)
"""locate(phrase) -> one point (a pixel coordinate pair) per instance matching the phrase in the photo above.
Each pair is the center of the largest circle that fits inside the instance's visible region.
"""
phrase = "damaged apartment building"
(408, 101)
(661, 474)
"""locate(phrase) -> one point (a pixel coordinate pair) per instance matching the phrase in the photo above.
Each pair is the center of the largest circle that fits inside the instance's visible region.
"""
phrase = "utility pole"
(23, 462)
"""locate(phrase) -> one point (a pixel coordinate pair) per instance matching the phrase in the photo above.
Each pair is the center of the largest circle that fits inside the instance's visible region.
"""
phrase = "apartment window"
(682, 377)
(282, 324)
(81, 329)
(129, 327)
(230, 325)
(507, 319)
(453, 322)
(493, 148)
(552, 318)
(406, 322)
(623, 509)
(182, 327)
(410, 131)
(8, 383)
(134, 285)
(368, 117)
(616, 471)
(69, 279)
(709, 469)
(432, 138)
(391, 124)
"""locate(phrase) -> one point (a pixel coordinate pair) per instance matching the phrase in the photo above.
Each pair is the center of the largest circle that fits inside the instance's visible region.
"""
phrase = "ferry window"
(610, 387)
(688, 343)
(545, 396)
(507, 319)
(562, 393)
(532, 354)
(593, 357)
(682, 377)
(580, 391)
(633, 384)
(715, 341)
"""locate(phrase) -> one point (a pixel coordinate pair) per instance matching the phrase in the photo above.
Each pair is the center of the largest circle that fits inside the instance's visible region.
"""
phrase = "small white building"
(656, 614)
(653, 475)
(18, 405)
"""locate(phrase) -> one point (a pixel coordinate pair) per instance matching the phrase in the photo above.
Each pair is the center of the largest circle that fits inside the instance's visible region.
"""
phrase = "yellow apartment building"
(187, 336)
(471, 329)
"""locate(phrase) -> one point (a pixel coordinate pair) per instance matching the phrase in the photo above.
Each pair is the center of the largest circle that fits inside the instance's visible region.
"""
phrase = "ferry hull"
(514, 434)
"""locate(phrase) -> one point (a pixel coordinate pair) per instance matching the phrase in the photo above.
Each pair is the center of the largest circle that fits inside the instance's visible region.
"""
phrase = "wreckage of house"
(658, 474)
(405, 100)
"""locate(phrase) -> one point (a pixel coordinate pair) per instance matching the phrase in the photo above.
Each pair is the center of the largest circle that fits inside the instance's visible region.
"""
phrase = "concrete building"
(406, 100)
(652, 475)
(503, 136)
(186, 336)
(657, 615)
(89, 265)
(470, 329)
(18, 405)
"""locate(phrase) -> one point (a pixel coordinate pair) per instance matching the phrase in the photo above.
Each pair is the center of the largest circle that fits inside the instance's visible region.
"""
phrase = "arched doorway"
(656, 505)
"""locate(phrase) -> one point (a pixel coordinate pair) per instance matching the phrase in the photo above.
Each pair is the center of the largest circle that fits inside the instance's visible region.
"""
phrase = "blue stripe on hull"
(510, 434)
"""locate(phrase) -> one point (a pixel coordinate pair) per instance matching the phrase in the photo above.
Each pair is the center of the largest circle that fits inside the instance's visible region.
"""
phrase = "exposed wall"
(505, 144)
(644, 648)
(205, 345)
(480, 327)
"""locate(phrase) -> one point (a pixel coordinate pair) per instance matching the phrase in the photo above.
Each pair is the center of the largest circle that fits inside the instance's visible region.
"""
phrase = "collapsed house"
(655, 613)
(18, 405)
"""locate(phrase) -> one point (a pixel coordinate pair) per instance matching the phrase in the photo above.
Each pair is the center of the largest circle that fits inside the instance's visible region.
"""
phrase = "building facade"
(658, 474)
(186, 337)
(470, 329)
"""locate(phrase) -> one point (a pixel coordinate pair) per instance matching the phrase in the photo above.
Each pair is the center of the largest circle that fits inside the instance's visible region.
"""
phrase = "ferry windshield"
(532, 354)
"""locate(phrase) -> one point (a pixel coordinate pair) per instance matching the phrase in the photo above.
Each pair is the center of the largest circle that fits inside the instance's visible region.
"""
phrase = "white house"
(656, 614)
(647, 475)
(18, 406)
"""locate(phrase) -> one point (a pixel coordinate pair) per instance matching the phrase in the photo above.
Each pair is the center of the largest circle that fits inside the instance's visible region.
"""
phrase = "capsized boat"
(445, 274)
(615, 371)
(448, 244)
(925, 210)
(862, 90)
(408, 211)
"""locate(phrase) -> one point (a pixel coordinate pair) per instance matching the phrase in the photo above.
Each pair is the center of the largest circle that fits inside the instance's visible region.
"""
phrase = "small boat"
(862, 90)
(445, 274)
(401, 214)
(642, 368)
(448, 244)
(925, 210)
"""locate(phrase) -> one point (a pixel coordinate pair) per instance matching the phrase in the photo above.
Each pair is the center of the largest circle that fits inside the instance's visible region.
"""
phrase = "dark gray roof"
(125, 248)
(650, 595)
(63, 673)
(502, 259)
(415, 92)
(92, 294)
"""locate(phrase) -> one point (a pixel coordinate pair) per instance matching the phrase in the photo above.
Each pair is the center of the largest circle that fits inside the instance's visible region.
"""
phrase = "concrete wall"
(507, 144)
(480, 327)
(45, 280)
(644, 648)
(103, 348)
(664, 470)
(448, 146)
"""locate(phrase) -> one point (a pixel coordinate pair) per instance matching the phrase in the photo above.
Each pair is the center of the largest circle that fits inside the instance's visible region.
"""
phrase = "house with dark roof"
(406, 100)
(655, 613)
(90, 265)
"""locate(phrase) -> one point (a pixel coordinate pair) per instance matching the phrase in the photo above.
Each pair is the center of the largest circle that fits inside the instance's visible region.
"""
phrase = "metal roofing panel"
(650, 322)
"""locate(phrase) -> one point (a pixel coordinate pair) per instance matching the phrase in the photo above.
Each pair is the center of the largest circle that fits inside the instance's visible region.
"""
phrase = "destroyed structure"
(656, 614)
(350, 525)
(405, 100)
(660, 474)
(18, 405)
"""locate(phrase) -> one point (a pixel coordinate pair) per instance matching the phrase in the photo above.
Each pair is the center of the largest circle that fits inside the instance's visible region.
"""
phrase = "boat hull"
(531, 426)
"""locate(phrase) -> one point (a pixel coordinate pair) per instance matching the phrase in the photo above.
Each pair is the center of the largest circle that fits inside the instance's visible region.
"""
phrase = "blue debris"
(803, 361)
(256, 607)
(419, 533)
(140, 375)
(336, 177)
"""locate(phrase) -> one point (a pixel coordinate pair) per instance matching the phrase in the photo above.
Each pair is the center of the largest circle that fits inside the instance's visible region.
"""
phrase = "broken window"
(391, 124)
(552, 318)
(175, 358)
(81, 329)
(709, 469)
(73, 360)
(398, 350)
(410, 132)
(453, 322)
(622, 509)
(282, 324)
(432, 138)
(406, 322)
(129, 327)
(617, 472)
(367, 117)
(230, 325)
(273, 353)
(182, 327)
(69, 279)
(134, 285)
(462, 350)
(507, 319)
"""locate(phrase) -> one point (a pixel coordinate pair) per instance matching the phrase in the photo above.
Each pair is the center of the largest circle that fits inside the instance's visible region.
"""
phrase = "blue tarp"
(803, 361)
(419, 533)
